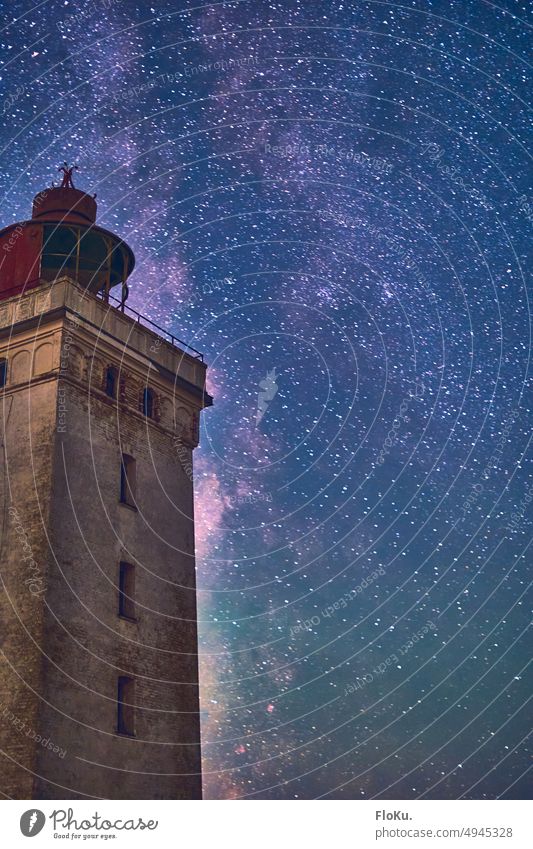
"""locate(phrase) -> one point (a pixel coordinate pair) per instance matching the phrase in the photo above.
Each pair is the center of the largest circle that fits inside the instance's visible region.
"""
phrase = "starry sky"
(331, 201)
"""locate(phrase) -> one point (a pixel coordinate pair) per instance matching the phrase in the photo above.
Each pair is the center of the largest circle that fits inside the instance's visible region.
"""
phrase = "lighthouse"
(98, 623)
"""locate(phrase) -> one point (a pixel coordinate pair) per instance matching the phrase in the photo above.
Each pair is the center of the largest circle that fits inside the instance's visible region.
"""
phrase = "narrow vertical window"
(126, 705)
(3, 372)
(128, 482)
(148, 403)
(111, 382)
(126, 590)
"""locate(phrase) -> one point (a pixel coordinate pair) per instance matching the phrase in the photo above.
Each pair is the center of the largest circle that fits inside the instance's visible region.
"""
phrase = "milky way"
(331, 201)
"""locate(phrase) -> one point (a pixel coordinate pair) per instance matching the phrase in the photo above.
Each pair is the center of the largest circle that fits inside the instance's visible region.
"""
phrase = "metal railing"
(141, 319)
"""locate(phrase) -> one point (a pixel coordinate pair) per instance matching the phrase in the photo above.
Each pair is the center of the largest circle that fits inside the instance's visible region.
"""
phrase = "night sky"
(331, 201)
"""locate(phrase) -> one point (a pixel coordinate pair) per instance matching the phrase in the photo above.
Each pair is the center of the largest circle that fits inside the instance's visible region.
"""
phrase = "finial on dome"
(67, 182)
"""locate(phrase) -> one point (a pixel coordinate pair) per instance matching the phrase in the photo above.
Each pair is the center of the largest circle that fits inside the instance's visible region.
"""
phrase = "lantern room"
(62, 239)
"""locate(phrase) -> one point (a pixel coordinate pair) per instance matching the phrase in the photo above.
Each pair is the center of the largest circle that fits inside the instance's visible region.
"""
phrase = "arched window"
(3, 373)
(111, 380)
(148, 403)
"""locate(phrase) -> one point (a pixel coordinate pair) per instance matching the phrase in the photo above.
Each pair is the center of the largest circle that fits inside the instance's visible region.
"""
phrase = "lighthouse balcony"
(50, 303)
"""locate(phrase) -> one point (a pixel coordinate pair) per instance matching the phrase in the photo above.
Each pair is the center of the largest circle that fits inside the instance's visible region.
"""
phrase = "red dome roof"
(69, 205)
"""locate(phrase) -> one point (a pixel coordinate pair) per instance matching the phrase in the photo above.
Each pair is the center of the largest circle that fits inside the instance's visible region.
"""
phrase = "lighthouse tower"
(98, 627)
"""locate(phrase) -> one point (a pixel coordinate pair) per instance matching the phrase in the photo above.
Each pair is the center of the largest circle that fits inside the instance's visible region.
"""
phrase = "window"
(148, 403)
(126, 590)
(3, 372)
(87, 254)
(127, 480)
(125, 705)
(60, 250)
(111, 378)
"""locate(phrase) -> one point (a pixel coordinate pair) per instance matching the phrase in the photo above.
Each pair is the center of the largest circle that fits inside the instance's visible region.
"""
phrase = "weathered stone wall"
(73, 444)
(26, 457)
